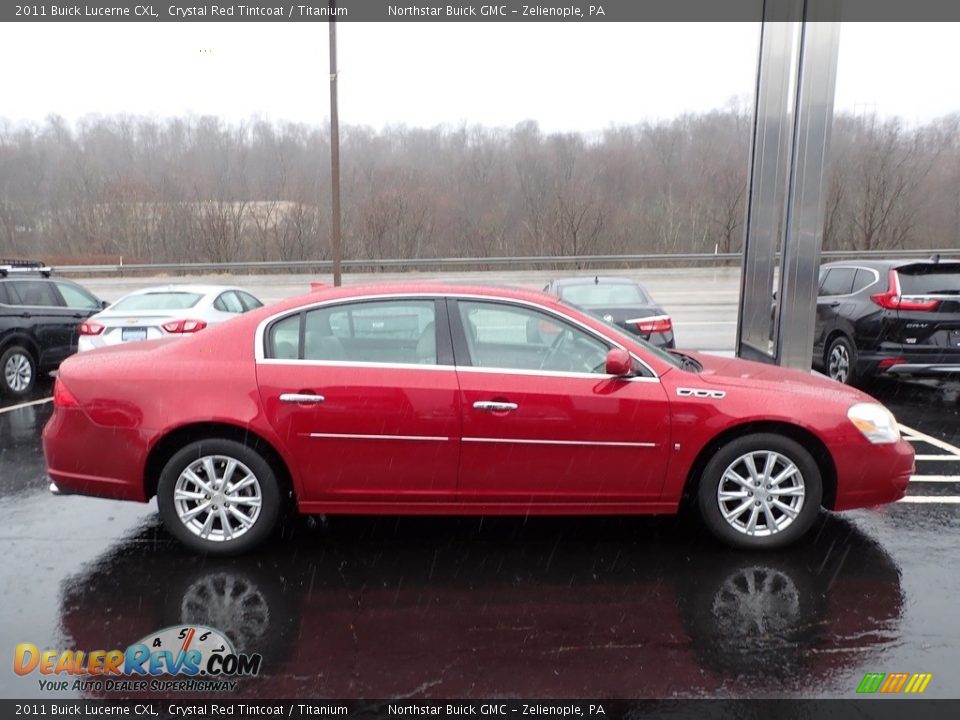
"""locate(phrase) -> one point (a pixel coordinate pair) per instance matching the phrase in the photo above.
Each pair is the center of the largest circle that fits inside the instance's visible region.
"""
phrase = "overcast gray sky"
(566, 76)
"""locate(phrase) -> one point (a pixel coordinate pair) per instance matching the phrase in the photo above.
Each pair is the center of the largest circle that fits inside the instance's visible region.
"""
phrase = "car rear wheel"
(218, 497)
(760, 492)
(840, 360)
(19, 371)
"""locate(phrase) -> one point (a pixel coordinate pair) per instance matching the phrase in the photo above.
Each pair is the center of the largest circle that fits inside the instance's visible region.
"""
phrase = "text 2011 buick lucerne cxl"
(440, 399)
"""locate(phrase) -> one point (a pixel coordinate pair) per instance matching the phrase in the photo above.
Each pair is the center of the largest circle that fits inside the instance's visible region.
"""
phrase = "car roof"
(595, 280)
(370, 290)
(888, 264)
(176, 287)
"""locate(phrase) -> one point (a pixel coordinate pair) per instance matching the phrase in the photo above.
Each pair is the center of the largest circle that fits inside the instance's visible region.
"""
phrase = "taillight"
(90, 328)
(892, 300)
(655, 324)
(62, 397)
(184, 326)
(890, 362)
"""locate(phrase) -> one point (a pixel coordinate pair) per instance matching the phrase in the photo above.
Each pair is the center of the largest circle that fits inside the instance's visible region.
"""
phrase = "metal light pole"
(334, 148)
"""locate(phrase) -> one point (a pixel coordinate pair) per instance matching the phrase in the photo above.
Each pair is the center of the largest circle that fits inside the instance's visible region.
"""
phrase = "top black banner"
(505, 11)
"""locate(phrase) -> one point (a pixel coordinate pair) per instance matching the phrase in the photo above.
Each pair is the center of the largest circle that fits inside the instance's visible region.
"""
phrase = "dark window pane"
(838, 282)
(36, 293)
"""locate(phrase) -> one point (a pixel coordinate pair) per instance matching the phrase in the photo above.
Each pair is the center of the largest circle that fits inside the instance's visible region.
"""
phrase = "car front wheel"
(19, 371)
(218, 497)
(760, 492)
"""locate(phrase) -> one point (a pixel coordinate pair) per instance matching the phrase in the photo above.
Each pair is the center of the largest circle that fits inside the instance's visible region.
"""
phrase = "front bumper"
(869, 475)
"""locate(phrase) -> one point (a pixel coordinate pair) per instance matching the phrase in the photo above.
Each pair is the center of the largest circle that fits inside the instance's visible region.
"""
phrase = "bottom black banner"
(781, 709)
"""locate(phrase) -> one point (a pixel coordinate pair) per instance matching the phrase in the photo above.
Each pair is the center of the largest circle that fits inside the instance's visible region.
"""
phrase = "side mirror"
(619, 363)
(104, 304)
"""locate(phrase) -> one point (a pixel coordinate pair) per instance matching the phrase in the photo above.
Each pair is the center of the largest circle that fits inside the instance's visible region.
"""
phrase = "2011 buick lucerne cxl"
(440, 399)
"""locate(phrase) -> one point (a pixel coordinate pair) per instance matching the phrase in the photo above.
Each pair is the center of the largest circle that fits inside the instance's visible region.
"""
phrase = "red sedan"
(438, 399)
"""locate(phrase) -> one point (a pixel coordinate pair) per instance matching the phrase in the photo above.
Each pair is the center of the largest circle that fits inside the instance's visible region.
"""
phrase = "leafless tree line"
(196, 189)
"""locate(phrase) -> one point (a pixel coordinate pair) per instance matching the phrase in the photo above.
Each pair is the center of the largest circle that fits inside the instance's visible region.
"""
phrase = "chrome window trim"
(260, 356)
(553, 373)
(353, 363)
(876, 279)
(531, 441)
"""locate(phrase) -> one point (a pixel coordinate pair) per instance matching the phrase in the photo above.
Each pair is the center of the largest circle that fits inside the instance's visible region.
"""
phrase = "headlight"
(875, 422)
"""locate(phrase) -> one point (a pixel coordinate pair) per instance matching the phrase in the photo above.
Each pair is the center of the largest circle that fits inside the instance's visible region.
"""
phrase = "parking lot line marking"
(23, 405)
(935, 478)
(932, 499)
(938, 458)
(936, 442)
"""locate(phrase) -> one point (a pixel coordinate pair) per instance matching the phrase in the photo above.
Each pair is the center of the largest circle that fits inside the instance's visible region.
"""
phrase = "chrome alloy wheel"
(217, 498)
(761, 493)
(18, 372)
(838, 365)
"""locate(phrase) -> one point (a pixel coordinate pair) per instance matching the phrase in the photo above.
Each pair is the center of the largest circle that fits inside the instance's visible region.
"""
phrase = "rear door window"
(229, 302)
(249, 301)
(389, 331)
(864, 279)
(33, 293)
(839, 281)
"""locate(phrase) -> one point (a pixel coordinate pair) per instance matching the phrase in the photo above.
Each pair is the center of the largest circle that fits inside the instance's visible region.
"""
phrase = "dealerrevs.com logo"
(200, 657)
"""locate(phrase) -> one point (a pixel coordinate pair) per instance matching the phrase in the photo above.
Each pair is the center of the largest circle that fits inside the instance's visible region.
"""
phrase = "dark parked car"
(38, 322)
(620, 301)
(892, 317)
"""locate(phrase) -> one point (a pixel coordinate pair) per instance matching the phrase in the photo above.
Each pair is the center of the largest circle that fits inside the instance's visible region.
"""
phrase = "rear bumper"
(84, 458)
(925, 369)
(935, 364)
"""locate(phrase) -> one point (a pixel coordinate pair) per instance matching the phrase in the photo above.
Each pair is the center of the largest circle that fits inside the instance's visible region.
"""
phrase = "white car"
(168, 311)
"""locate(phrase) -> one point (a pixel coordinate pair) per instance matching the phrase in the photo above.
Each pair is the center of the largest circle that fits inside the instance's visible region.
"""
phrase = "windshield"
(588, 295)
(621, 334)
(158, 301)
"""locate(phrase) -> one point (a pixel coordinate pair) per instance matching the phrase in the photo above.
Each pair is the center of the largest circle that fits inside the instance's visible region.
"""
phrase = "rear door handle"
(494, 406)
(301, 398)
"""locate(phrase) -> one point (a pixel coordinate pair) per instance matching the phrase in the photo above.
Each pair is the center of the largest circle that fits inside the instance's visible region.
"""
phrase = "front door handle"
(301, 398)
(494, 406)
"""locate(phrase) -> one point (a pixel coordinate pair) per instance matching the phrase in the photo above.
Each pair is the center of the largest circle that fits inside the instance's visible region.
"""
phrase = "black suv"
(893, 317)
(38, 322)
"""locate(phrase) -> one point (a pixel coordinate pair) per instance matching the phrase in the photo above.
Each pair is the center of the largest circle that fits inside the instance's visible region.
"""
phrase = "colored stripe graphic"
(894, 683)
(870, 683)
(918, 683)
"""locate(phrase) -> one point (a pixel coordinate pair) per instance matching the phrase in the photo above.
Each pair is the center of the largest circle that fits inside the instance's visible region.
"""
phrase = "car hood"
(735, 372)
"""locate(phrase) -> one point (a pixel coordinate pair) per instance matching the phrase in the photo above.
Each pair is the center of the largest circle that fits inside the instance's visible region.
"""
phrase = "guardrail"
(527, 262)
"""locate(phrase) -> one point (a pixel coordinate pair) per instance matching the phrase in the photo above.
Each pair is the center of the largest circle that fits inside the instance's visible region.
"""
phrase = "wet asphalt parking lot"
(548, 607)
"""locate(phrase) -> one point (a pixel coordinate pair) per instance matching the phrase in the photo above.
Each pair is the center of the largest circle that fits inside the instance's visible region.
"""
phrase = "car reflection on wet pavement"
(546, 607)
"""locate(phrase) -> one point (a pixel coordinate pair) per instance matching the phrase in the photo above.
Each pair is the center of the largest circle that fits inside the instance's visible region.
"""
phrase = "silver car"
(168, 311)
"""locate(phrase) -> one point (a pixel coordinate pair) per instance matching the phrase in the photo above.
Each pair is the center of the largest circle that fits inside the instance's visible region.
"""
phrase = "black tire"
(18, 371)
(264, 522)
(735, 531)
(840, 361)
